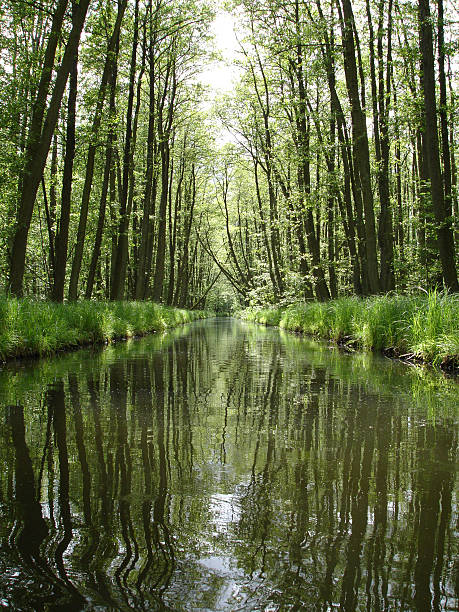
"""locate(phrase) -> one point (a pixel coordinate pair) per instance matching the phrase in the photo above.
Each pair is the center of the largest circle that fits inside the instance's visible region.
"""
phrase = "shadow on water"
(225, 466)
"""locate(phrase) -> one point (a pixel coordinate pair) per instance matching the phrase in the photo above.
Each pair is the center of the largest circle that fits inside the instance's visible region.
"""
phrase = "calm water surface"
(225, 466)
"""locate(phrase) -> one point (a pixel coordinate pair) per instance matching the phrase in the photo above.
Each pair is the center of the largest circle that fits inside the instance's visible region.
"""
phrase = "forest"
(328, 168)
(292, 163)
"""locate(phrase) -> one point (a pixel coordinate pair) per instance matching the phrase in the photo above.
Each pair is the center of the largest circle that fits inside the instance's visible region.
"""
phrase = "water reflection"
(225, 466)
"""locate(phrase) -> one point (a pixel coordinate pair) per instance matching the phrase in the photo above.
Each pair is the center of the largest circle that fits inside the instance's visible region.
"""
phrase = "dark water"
(225, 466)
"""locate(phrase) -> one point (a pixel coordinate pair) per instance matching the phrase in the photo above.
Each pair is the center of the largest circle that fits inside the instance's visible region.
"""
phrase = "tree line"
(340, 177)
(104, 170)
(343, 177)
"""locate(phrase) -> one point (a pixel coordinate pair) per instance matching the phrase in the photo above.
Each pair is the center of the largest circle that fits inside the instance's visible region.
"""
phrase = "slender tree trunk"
(304, 177)
(331, 245)
(355, 223)
(173, 226)
(120, 265)
(39, 144)
(266, 145)
(149, 198)
(443, 112)
(51, 213)
(111, 207)
(274, 232)
(151, 238)
(264, 231)
(84, 206)
(231, 248)
(360, 143)
(423, 206)
(62, 233)
(158, 280)
(105, 181)
(400, 234)
(164, 149)
(385, 230)
(454, 185)
(184, 286)
(445, 238)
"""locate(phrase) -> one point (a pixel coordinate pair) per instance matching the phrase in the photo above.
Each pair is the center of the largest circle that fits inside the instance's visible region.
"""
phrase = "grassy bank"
(32, 328)
(420, 328)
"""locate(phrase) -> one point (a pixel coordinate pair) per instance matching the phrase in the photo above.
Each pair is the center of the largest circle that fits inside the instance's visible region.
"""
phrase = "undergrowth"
(34, 328)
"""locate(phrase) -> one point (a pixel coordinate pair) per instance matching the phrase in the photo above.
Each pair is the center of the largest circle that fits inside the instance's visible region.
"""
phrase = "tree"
(41, 133)
(445, 239)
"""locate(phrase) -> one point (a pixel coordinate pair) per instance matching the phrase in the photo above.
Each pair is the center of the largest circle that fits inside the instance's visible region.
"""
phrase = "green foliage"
(29, 327)
(425, 326)
(434, 332)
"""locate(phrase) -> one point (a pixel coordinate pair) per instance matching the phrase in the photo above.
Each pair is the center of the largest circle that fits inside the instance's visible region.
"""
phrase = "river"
(227, 466)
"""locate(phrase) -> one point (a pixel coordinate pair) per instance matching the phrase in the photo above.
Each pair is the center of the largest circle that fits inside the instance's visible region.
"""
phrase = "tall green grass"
(30, 328)
(424, 326)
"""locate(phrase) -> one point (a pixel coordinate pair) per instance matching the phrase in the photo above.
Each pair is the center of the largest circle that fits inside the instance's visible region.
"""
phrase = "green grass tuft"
(424, 326)
(33, 328)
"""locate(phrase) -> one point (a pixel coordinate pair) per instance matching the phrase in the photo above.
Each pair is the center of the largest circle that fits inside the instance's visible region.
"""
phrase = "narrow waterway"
(226, 466)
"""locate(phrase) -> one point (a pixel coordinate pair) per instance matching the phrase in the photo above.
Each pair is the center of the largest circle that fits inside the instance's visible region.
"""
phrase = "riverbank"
(30, 328)
(420, 328)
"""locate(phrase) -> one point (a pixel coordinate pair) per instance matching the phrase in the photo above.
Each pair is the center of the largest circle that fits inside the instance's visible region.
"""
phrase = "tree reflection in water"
(225, 466)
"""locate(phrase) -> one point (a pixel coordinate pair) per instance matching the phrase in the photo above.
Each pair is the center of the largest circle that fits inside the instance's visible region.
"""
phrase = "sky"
(219, 74)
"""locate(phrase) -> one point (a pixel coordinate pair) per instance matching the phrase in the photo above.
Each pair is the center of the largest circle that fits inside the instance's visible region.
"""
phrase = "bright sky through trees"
(219, 75)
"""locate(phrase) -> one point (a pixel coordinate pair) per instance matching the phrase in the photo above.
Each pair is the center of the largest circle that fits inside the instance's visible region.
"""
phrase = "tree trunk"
(120, 265)
(62, 234)
(264, 231)
(443, 112)
(173, 226)
(360, 143)
(164, 149)
(81, 233)
(353, 223)
(39, 144)
(149, 198)
(105, 181)
(445, 238)
(304, 178)
(158, 280)
(385, 230)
